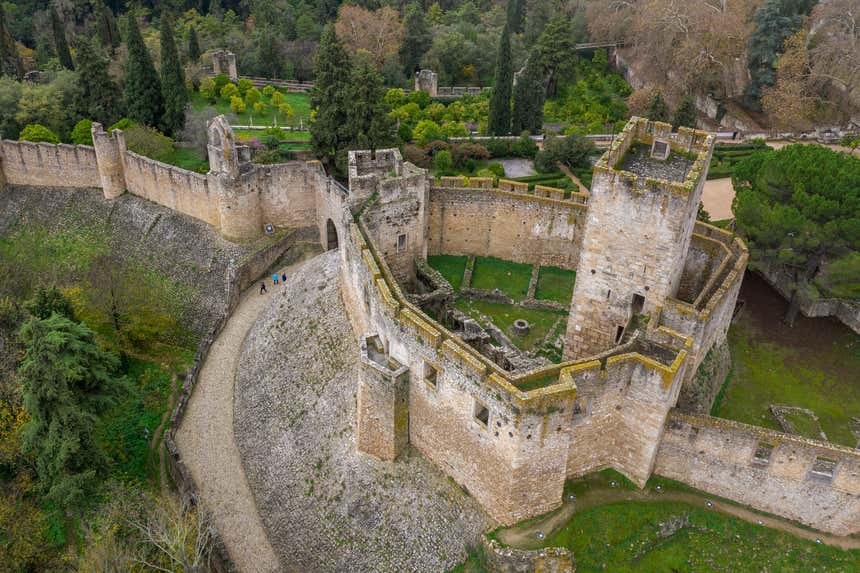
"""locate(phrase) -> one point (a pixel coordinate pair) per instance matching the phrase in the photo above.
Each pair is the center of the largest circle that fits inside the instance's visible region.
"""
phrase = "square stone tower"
(644, 199)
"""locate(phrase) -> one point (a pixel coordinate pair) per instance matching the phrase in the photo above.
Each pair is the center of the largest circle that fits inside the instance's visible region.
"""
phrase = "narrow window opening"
(638, 303)
(431, 375)
(482, 414)
(608, 294)
(401, 242)
(619, 332)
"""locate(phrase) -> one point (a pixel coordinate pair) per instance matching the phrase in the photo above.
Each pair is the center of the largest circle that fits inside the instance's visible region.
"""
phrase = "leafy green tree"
(10, 95)
(516, 15)
(60, 44)
(36, 133)
(172, 82)
(10, 59)
(48, 301)
(148, 141)
(426, 131)
(68, 381)
(143, 96)
(368, 120)
(499, 122)
(98, 97)
(573, 151)
(237, 105)
(418, 39)
(555, 52)
(685, 115)
(442, 162)
(82, 133)
(193, 45)
(798, 208)
(657, 108)
(229, 90)
(528, 100)
(328, 126)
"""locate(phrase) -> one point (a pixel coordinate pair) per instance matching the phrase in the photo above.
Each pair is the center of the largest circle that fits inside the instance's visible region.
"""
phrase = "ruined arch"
(331, 238)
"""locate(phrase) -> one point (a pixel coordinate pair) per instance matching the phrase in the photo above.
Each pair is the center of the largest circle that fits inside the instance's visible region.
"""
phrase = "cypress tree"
(499, 122)
(685, 115)
(528, 99)
(142, 89)
(368, 120)
(193, 45)
(657, 108)
(515, 16)
(329, 127)
(60, 43)
(108, 32)
(68, 381)
(10, 59)
(419, 39)
(98, 97)
(172, 82)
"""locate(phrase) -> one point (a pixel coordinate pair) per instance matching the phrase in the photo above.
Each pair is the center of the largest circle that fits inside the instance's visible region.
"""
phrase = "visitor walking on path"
(262, 288)
(275, 278)
(284, 278)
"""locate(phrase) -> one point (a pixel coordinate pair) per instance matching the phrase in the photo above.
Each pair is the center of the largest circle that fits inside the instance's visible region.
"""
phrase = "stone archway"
(331, 235)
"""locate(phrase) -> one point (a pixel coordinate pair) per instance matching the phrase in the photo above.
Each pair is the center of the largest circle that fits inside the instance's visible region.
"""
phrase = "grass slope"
(509, 277)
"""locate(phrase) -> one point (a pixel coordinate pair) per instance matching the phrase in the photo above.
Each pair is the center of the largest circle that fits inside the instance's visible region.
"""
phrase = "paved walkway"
(208, 446)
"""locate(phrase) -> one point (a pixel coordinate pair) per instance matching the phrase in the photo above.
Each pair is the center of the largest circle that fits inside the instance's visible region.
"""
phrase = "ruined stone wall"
(720, 457)
(511, 226)
(288, 192)
(49, 165)
(179, 189)
(703, 260)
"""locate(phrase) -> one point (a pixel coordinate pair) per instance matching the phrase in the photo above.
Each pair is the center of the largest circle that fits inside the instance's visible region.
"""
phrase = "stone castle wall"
(512, 226)
(49, 165)
(729, 459)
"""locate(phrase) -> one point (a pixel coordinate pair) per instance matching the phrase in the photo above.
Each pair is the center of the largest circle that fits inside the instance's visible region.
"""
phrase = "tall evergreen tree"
(368, 118)
(499, 122)
(657, 108)
(193, 45)
(329, 126)
(60, 43)
(142, 89)
(555, 51)
(516, 15)
(528, 99)
(685, 115)
(172, 82)
(108, 32)
(418, 39)
(68, 382)
(10, 59)
(98, 98)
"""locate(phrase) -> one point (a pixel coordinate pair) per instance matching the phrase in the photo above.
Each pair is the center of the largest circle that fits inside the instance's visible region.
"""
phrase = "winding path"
(209, 450)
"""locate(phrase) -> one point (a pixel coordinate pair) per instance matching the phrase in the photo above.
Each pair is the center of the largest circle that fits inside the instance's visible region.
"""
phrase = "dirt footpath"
(717, 197)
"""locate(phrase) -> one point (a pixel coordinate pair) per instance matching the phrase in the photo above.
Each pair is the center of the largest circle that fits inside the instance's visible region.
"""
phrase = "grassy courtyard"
(555, 284)
(814, 365)
(300, 103)
(661, 534)
(504, 315)
(451, 267)
(509, 277)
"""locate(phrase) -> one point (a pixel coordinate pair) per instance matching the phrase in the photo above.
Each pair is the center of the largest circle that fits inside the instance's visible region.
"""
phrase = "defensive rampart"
(49, 165)
(815, 483)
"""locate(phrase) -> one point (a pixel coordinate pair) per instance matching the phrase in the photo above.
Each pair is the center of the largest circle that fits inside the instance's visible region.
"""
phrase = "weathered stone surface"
(325, 506)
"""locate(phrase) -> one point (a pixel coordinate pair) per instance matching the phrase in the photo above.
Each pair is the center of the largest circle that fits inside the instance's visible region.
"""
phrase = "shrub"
(286, 110)
(269, 90)
(122, 125)
(220, 81)
(207, 88)
(244, 86)
(443, 163)
(462, 152)
(271, 137)
(259, 107)
(426, 131)
(82, 133)
(421, 98)
(436, 146)
(229, 91)
(455, 129)
(404, 132)
(149, 142)
(236, 104)
(253, 96)
(37, 132)
(572, 151)
(394, 98)
(496, 169)
(416, 155)
(277, 99)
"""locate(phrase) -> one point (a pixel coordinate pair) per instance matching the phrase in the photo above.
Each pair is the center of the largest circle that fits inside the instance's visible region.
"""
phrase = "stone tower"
(644, 198)
(428, 81)
(224, 62)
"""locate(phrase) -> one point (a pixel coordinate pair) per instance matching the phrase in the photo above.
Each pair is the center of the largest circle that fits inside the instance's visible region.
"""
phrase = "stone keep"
(427, 81)
(636, 234)
(224, 62)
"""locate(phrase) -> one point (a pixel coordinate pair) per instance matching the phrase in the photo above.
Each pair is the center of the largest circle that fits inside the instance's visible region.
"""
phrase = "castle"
(655, 291)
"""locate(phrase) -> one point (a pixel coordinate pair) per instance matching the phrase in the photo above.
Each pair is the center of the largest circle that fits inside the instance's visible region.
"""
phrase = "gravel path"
(208, 447)
(326, 507)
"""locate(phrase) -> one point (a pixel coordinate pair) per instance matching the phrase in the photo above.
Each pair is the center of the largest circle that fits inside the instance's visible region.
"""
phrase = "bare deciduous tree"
(379, 32)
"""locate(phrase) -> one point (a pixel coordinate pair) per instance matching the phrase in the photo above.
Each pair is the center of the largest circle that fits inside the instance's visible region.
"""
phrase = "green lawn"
(189, 158)
(509, 277)
(626, 536)
(804, 424)
(770, 371)
(300, 103)
(555, 284)
(451, 267)
(504, 315)
(289, 136)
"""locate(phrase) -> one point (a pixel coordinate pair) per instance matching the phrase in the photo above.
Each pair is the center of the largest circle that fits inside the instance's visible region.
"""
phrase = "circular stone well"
(521, 327)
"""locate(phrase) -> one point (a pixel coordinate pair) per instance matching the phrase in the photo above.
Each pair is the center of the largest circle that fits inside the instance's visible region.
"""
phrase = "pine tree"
(329, 126)
(193, 45)
(657, 108)
(68, 381)
(685, 115)
(108, 32)
(60, 43)
(555, 52)
(528, 99)
(142, 89)
(368, 120)
(418, 39)
(98, 97)
(516, 15)
(499, 122)
(10, 59)
(172, 82)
